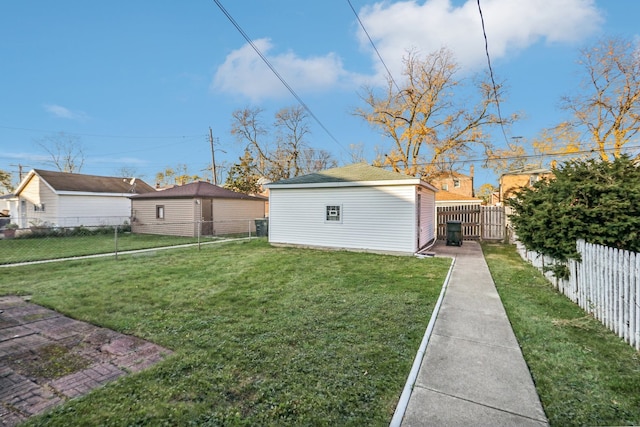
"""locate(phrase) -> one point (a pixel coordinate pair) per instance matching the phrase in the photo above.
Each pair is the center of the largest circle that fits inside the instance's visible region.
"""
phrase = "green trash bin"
(454, 233)
(262, 227)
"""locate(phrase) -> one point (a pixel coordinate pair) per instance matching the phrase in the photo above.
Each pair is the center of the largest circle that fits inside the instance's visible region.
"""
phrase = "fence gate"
(478, 222)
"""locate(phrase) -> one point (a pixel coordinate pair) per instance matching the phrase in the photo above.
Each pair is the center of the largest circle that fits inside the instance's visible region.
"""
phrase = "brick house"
(511, 182)
(454, 182)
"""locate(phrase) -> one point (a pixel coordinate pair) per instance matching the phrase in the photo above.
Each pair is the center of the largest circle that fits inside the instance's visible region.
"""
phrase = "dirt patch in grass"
(48, 362)
(585, 323)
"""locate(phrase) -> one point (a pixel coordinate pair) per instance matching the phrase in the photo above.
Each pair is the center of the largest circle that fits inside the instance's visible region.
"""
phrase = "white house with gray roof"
(356, 207)
(64, 199)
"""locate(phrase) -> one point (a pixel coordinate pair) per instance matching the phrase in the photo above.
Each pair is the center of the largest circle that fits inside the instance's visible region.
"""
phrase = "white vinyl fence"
(606, 284)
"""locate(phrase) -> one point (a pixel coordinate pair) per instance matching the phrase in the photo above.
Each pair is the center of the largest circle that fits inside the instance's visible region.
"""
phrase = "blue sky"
(139, 83)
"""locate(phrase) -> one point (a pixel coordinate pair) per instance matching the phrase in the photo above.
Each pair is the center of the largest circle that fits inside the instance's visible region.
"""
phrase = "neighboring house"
(454, 182)
(197, 208)
(9, 206)
(356, 207)
(72, 199)
(446, 199)
(511, 182)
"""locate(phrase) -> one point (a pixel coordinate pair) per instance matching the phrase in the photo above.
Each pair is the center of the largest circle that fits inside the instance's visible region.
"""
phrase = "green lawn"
(262, 335)
(584, 374)
(43, 248)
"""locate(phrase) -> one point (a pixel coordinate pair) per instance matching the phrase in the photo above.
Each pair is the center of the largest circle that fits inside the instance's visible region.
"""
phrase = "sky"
(139, 83)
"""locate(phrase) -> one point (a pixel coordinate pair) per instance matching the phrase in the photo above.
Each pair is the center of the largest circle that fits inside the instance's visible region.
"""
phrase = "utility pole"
(20, 167)
(213, 158)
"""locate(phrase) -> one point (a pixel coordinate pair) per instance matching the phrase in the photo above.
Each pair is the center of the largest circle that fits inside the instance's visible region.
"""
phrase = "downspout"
(398, 415)
(421, 252)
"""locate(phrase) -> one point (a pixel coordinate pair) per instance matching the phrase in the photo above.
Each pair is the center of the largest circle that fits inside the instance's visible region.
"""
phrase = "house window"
(159, 211)
(333, 213)
(533, 179)
(38, 207)
(445, 187)
(456, 183)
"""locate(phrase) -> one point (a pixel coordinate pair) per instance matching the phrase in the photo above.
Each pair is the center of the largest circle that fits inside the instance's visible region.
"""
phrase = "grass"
(43, 248)
(261, 335)
(584, 373)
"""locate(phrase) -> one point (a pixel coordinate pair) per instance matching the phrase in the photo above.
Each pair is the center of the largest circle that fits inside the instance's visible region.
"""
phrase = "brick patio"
(28, 330)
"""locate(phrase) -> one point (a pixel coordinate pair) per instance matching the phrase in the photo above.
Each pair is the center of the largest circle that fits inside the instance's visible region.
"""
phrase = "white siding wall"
(373, 218)
(89, 211)
(427, 216)
(34, 193)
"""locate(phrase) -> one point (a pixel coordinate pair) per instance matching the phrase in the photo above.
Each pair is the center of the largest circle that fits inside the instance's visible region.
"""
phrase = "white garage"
(356, 207)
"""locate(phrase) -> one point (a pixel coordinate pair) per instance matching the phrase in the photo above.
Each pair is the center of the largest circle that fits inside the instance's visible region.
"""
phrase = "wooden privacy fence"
(478, 222)
(606, 284)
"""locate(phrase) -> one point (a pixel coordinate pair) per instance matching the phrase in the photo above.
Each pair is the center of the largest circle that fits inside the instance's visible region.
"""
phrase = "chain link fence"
(46, 241)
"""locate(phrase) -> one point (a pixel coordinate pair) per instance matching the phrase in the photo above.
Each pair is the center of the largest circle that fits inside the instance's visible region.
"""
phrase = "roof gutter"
(92, 193)
(338, 184)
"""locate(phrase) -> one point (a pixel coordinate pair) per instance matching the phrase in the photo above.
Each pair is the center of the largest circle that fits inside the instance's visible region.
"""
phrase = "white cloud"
(511, 26)
(24, 156)
(64, 113)
(118, 160)
(243, 72)
(425, 26)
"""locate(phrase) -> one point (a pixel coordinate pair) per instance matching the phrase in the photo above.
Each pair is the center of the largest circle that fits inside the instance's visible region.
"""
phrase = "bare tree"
(356, 153)
(290, 154)
(248, 129)
(65, 151)
(127, 172)
(608, 104)
(430, 128)
(221, 168)
(313, 160)
(292, 127)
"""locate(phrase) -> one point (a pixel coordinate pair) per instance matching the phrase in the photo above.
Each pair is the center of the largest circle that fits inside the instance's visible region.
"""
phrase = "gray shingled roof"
(357, 172)
(64, 181)
(196, 189)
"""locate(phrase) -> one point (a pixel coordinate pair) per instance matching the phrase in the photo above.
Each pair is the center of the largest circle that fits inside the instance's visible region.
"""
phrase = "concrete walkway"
(473, 372)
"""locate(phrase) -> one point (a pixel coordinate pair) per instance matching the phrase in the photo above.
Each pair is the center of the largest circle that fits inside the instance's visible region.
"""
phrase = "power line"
(493, 81)
(376, 50)
(276, 73)
(530, 156)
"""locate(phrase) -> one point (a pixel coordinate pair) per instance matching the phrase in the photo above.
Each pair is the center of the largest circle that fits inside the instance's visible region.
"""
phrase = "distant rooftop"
(196, 189)
(443, 195)
(65, 181)
(356, 172)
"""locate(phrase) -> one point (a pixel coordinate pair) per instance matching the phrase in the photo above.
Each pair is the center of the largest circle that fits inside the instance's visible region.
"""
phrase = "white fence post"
(635, 303)
(606, 284)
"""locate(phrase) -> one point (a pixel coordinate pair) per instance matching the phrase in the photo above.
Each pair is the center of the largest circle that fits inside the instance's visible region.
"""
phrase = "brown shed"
(197, 208)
